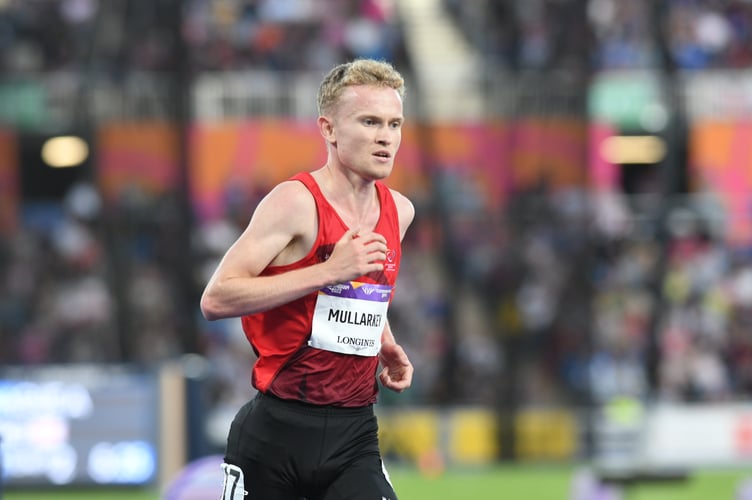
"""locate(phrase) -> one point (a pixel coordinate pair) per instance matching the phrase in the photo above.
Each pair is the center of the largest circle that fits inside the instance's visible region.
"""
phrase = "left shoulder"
(405, 210)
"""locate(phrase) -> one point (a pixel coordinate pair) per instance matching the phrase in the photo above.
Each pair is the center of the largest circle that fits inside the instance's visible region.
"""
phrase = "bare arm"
(405, 211)
(397, 370)
(281, 231)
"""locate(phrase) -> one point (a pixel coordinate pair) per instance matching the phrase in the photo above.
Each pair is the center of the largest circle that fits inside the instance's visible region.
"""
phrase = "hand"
(397, 371)
(356, 254)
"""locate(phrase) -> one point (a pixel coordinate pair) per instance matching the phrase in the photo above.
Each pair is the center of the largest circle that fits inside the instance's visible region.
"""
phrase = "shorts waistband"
(313, 409)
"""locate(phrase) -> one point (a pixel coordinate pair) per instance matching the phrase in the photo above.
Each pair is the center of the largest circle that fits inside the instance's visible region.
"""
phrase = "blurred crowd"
(280, 35)
(80, 285)
(49, 35)
(544, 289)
(613, 34)
(288, 35)
(551, 284)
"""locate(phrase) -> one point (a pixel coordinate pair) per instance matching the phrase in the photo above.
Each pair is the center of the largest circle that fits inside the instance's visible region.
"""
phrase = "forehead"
(370, 99)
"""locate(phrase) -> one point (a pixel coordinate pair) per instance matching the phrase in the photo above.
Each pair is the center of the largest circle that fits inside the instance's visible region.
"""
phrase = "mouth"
(385, 155)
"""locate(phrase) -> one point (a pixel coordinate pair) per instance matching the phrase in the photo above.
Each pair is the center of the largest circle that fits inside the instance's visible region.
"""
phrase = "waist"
(313, 409)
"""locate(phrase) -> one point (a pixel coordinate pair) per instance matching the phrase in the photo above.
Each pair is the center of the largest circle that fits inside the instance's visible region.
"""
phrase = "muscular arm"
(281, 231)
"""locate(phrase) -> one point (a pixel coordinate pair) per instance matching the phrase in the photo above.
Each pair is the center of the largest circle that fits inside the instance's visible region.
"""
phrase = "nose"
(384, 137)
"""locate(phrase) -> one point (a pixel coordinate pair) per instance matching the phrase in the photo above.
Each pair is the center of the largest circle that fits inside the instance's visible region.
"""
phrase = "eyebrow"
(400, 118)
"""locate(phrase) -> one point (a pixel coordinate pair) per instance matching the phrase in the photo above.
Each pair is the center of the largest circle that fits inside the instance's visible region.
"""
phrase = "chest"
(365, 220)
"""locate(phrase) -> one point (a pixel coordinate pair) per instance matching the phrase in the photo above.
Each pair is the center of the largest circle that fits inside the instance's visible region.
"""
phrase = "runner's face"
(367, 130)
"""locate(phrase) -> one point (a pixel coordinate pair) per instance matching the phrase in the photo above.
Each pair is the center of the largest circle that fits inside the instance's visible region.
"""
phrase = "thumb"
(351, 234)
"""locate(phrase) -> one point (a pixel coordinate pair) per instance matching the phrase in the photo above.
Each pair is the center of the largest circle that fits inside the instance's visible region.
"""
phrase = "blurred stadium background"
(576, 293)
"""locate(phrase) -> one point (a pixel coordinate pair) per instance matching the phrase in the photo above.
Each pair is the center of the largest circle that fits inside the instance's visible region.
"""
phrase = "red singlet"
(287, 366)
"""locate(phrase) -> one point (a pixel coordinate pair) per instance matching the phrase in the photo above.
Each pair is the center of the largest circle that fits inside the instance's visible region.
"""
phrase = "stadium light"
(634, 149)
(65, 151)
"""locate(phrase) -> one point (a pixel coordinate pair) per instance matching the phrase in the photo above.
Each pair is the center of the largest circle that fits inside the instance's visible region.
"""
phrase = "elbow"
(209, 308)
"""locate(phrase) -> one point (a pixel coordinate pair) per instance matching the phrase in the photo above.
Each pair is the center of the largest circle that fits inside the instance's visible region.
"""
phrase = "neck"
(346, 184)
(354, 198)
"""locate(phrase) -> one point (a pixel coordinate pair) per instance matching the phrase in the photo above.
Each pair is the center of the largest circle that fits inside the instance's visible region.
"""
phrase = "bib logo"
(338, 289)
(390, 265)
(356, 343)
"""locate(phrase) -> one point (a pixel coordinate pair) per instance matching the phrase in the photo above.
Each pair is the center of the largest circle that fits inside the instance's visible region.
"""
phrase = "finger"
(388, 381)
(350, 234)
(394, 385)
(371, 236)
(376, 256)
(375, 246)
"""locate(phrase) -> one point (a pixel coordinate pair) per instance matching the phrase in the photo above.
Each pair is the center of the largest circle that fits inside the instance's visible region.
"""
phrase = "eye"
(369, 121)
(395, 125)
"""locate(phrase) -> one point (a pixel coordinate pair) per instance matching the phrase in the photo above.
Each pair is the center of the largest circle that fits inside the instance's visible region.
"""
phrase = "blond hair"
(357, 72)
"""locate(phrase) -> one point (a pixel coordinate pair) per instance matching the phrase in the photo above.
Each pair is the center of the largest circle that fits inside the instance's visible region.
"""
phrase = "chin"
(381, 171)
(380, 175)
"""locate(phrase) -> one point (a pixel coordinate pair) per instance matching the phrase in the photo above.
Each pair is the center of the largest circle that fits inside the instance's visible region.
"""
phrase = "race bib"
(349, 318)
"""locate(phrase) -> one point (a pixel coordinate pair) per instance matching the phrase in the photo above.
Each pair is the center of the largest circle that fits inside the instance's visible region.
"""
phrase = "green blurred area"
(494, 483)
(82, 494)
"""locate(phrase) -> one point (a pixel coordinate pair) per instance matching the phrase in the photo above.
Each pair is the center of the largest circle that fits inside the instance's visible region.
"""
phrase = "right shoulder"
(288, 197)
(287, 211)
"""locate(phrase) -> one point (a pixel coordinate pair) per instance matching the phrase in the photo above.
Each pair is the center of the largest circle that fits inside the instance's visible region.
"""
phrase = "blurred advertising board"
(667, 439)
(690, 436)
(79, 425)
(469, 436)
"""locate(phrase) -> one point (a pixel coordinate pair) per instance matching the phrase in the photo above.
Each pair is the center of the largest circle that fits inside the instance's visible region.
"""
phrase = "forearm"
(226, 297)
(387, 336)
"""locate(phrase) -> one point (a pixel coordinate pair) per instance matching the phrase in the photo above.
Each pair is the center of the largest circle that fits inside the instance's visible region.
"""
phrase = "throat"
(357, 205)
(359, 217)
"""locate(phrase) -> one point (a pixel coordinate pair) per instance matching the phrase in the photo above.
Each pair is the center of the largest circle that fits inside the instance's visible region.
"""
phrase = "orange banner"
(236, 162)
(231, 158)
(140, 156)
(721, 158)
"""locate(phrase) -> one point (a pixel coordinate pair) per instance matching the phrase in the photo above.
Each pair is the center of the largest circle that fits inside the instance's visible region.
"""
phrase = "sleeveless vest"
(293, 365)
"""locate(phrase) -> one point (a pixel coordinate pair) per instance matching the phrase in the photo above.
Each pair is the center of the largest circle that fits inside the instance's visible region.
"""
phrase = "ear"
(326, 127)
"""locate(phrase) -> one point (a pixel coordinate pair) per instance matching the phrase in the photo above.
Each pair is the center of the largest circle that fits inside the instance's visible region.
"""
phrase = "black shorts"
(289, 450)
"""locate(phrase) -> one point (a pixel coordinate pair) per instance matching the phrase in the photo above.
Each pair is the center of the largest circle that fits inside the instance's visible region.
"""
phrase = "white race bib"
(349, 318)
